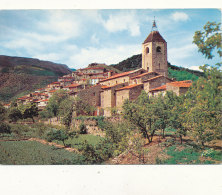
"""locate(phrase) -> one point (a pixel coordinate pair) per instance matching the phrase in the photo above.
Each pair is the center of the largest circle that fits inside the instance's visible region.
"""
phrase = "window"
(147, 50)
(158, 49)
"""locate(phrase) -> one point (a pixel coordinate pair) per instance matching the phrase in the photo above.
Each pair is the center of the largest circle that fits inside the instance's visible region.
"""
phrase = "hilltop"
(20, 75)
(179, 73)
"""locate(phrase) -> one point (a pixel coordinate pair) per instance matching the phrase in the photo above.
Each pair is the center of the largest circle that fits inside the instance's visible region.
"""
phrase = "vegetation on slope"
(176, 72)
(20, 76)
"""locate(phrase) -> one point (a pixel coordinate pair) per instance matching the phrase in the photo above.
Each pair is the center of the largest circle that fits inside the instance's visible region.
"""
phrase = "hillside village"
(105, 89)
(99, 114)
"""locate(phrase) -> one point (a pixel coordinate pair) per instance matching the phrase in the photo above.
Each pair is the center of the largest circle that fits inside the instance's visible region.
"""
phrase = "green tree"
(209, 39)
(29, 110)
(2, 112)
(59, 135)
(141, 113)
(203, 100)
(66, 111)
(14, 114)
(55, 101)
(81, 107)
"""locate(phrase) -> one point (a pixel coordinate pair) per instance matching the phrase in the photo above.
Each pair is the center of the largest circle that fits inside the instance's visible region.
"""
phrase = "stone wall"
(91, 95)
(91, 126)
(183, 90)
(155, 83)
(121, 96)
(173, 88)
(135, 92)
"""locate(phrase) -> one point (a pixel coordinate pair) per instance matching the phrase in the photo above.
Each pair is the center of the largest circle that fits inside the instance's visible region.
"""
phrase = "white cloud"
(102, 55)
(62, 22)
(123, 21)
(94, 39)
(49, 56)
(179, 16)
(179, 53)
(195, 68)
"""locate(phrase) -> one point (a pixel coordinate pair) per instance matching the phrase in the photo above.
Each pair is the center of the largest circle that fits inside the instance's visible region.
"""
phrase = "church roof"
(154, 36)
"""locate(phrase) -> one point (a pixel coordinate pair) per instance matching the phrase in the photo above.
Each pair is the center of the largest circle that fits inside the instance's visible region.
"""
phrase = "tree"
(81, 107)
(209, 39)
(66, 111)
(142, 114)
(2, 112)
(29, 110)
(55, 101)
(14, 114)
(59, 135)
(203, 100)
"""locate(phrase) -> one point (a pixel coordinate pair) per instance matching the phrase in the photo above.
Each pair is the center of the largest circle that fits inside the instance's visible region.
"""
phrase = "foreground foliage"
(34, 153)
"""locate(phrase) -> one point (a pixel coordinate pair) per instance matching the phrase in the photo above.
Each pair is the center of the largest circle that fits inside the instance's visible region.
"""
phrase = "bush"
(97, 154)
(5, 128)
(82, 128)
(59, 135)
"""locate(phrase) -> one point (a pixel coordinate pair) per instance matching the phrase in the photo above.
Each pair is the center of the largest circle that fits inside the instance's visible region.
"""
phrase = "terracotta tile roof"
(159, 76)
(154, 36)
(72, 86)
(141, 75)
(55, 83)
(110, 86)
(52, 91)
(46, 100)
(97, 77)
(185, 84)
(129, 87)
(118, 75)
(23, 98)
(94, 73)
(94, 68)
(161, 88)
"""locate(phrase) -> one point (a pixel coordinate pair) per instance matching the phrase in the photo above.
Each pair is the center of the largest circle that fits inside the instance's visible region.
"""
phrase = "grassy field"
(34, 153)
(80, 139)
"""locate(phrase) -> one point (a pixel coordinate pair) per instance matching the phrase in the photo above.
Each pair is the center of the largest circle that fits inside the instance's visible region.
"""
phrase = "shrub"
(97, 154)
(59, 135)
(5, 128)
(82, 128)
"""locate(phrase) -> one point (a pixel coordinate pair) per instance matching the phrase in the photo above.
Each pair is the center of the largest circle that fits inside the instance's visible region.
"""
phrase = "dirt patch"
(154, 152)
(42, 141)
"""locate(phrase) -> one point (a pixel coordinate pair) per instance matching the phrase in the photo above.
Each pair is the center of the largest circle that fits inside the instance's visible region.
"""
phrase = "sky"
(80, 37)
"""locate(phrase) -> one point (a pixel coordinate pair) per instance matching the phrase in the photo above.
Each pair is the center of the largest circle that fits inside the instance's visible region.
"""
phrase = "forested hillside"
(19, 76)
(176, 72)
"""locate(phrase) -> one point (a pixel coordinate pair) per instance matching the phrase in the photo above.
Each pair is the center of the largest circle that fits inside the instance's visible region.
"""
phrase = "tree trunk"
(181, 139)
(33, 120)
(163, 134)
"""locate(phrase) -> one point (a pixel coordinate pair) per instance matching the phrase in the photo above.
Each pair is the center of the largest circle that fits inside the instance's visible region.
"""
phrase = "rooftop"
(185, 84)
(161, 88)
(154, 36)
(72, 86)
(120, 75)
(129, 87)
(141, 75)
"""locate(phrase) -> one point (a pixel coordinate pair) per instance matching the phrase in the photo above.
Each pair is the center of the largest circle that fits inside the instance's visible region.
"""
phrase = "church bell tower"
(154, 52)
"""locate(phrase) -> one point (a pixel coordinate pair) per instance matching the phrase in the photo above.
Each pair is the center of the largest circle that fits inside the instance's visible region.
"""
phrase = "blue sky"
(79, 37)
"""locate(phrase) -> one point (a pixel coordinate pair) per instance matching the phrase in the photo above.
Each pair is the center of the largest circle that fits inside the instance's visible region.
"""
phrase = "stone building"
(154, 53)
(128, 85)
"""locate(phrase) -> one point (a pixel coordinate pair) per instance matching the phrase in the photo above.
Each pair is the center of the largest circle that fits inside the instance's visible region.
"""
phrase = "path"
(42, 141)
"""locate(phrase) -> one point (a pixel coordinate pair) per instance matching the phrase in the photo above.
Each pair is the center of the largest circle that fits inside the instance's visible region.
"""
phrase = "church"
(151, 77)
